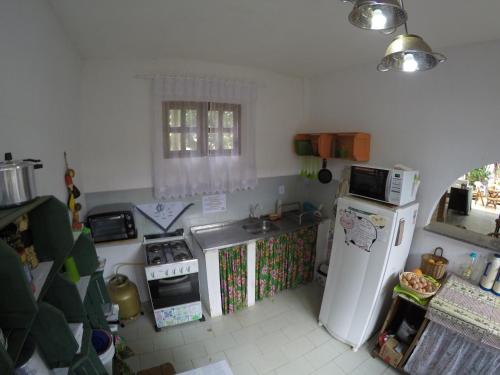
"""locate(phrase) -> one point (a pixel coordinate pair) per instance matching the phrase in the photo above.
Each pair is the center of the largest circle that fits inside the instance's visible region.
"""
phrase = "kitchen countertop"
(215, 236)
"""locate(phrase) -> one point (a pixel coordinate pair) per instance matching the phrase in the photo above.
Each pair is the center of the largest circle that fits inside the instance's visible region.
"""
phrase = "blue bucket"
(101, 340)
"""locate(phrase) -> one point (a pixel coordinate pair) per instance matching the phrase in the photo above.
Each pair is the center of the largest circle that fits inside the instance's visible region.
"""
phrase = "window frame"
(235, 130)
(182, 129)
(202, 129)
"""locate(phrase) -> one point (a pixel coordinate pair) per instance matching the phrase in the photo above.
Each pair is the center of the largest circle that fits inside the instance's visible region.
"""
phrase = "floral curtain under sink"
(233, 278)
(285, 261)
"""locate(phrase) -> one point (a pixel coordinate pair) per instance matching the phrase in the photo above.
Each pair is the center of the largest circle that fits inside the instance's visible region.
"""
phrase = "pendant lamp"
(409, 53)
(383, 15)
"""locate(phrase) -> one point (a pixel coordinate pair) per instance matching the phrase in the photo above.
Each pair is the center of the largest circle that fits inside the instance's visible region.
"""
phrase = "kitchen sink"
(256, 226)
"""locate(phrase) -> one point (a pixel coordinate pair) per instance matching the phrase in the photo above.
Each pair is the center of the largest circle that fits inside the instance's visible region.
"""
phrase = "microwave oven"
(394, 186)
(112, 222)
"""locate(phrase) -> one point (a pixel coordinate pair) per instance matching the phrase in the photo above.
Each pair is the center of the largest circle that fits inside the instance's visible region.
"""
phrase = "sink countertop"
(219, 235)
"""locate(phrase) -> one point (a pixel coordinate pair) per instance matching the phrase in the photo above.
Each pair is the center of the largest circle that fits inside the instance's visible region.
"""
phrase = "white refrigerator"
(370, 246)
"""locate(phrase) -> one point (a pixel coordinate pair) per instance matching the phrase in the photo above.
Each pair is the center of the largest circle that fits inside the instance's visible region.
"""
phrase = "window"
(204, 135)
(201, 129)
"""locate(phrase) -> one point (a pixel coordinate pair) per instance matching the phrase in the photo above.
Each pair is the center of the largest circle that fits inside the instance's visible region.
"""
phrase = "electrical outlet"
(281, 189)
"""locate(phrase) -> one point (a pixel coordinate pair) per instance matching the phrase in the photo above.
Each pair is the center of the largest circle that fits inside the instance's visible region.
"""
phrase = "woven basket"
(434, 265)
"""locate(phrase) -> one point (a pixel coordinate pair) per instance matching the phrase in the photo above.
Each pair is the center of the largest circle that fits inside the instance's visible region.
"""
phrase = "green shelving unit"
(57, 302)
(96, 297)
(87, 361)
(6, 366)
(85, 256)
(53, 336)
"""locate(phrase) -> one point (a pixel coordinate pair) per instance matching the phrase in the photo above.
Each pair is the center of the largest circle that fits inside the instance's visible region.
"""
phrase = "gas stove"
(168, 257)
(172, 275)
(170, 251)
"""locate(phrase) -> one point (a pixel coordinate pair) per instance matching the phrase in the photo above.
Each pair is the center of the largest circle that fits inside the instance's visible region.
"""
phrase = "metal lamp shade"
(377, 14)
(409, 53)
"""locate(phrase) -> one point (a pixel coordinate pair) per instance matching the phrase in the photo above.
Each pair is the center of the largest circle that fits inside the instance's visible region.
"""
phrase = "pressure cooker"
(17, 181)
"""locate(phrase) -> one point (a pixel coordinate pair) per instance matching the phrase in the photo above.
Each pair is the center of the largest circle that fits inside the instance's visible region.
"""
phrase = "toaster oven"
(112, 222)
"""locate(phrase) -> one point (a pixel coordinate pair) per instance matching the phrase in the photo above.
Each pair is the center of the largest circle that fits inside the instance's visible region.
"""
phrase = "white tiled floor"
(278, 336)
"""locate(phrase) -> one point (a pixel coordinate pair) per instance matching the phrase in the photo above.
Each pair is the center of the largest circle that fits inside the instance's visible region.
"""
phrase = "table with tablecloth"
(463, 336)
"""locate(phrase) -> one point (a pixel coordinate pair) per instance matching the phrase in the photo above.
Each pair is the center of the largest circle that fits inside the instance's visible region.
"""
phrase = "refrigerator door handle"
(400, 235)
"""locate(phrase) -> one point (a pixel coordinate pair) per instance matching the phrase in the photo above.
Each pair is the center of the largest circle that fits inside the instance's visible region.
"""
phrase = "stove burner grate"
(180, 257)
(156, 260)
(154, 249)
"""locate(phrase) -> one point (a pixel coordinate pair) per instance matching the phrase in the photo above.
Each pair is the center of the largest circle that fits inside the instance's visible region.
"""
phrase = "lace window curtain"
(195, 174)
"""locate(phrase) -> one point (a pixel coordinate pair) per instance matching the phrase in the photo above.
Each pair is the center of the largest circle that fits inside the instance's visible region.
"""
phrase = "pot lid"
(9, 163)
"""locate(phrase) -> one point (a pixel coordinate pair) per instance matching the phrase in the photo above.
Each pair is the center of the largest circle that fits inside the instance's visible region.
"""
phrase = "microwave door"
(369, 182)
(388, 187)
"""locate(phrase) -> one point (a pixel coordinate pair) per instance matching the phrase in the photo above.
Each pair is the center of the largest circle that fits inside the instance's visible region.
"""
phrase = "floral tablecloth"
(463, 337)
(468, 310)
(442, 351)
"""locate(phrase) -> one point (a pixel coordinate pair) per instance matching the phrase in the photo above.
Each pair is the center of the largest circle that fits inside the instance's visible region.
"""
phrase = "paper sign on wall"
(214, 203)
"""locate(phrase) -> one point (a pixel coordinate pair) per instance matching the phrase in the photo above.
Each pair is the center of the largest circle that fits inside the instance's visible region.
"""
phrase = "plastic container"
(490, 273)
(71, 269)
(102, 341)
(469, 266)
(303, 147)
(406, 331)
(496, 286)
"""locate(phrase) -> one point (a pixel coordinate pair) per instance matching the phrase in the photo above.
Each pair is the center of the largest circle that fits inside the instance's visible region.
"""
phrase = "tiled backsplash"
(238, 203)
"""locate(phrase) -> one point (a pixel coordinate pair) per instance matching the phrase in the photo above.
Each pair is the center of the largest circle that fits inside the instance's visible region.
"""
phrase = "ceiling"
(298, 37)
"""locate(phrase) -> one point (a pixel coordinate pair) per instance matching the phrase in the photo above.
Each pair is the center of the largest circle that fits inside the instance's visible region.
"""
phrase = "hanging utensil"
(324, 175)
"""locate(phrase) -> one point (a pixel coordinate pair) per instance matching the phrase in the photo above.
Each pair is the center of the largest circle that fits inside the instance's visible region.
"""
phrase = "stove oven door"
(174, 291)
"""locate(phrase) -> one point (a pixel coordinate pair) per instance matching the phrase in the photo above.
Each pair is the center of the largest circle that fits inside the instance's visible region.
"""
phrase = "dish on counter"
(423, 286)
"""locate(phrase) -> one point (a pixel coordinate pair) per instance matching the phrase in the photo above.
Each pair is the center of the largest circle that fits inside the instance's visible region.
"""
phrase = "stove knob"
(152, 275)
(181, 269)
(166, 273)
(173, 271)
(188, 269)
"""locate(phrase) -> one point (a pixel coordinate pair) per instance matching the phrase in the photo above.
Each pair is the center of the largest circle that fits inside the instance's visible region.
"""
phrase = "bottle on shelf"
(496, 286)
(490, 272)
(469, 266)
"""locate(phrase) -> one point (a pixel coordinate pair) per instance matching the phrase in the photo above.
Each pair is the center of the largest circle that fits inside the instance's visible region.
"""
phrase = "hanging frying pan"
(324, 175)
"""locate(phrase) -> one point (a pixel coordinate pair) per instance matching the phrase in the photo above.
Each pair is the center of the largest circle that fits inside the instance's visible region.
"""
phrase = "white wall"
(115, 134)
(443, 122)
(39, 91)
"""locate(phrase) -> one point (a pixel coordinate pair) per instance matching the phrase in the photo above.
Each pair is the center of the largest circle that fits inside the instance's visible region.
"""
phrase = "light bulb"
(409, 63)
(379, 21)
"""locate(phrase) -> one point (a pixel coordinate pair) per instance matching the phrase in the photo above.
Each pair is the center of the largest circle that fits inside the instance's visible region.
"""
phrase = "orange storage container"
(352, 146)
(325, 145)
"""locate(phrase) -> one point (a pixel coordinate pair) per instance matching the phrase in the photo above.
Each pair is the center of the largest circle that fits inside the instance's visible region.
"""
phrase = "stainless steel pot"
(17, 181)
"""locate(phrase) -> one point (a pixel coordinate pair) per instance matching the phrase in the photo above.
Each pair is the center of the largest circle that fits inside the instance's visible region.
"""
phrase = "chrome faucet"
(253, 210)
